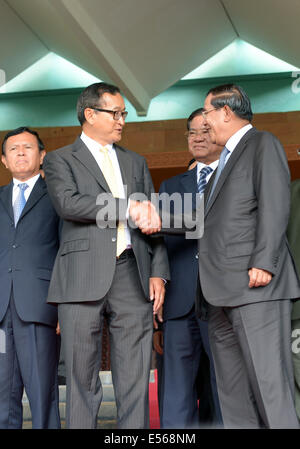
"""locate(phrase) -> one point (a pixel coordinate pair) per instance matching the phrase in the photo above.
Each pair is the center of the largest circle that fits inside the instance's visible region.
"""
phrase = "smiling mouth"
(199, 147)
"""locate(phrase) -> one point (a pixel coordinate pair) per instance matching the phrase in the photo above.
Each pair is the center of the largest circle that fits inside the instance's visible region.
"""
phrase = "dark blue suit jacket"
(183, 255)
(27, 254)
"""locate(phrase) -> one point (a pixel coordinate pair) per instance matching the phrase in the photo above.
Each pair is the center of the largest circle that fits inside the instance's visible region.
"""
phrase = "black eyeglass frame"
(116, 114)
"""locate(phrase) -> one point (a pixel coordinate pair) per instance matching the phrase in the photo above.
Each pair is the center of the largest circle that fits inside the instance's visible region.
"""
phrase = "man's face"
(22, 156)
(214, 120)
(199, 142)
(102, 126)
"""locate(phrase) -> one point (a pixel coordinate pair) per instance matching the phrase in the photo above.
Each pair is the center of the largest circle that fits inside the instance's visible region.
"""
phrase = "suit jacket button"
(114, 239)
(197, 256)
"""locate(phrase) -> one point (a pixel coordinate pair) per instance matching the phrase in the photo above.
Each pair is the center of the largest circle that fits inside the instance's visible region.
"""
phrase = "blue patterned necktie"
(202, 178)
(220, 167)
(20, 202)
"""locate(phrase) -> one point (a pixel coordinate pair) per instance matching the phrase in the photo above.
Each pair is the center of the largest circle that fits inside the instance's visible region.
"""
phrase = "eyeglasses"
(194, 134)
(204, 113)
(116, 114)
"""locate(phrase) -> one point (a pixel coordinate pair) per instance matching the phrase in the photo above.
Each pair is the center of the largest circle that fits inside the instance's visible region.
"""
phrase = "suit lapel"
(38, 191)
(226, 171)
(82, 153)
(188, 182)
(125, 164)
(6, 198)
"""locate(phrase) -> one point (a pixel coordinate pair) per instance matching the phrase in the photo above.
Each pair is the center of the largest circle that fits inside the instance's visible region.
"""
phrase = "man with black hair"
(247, 275)
(244, 242)
(29, 242)
(99, 268)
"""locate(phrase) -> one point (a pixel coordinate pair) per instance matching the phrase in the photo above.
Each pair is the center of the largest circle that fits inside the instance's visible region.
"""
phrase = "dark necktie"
(202, 178)
(19, 202)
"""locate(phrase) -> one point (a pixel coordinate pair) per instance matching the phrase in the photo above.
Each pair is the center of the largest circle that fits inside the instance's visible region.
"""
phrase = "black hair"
(20, 130)
(91, 96)
(234, 97)
(192, 116)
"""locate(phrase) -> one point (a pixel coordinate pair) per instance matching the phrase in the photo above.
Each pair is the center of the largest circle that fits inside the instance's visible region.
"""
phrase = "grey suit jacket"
(293, 233)
(85, 264)
(245, 225)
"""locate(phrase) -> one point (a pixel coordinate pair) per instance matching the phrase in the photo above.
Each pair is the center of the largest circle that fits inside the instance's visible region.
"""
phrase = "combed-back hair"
(234, 97)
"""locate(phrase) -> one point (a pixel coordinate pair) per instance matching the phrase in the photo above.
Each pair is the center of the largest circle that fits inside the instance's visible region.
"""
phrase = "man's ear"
(3, 160)
(42, 155)
(227, 113)
(89, 115)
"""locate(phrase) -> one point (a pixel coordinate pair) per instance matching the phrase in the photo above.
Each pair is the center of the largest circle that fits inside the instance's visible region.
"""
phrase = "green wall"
(269, 93)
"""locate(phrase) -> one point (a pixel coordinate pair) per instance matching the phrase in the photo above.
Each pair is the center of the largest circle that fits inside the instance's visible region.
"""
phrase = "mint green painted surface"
(45, 94)
(58, 108)
(240, 58)
(50, 72)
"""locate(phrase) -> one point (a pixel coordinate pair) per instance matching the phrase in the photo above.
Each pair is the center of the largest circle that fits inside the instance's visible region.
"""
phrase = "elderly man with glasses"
(246, 271)
(186, 346)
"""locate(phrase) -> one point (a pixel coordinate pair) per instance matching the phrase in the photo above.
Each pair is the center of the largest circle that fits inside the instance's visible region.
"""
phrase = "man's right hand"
(145, 216)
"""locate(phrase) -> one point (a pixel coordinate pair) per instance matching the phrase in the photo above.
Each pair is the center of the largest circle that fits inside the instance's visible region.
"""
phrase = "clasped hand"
(145, 216)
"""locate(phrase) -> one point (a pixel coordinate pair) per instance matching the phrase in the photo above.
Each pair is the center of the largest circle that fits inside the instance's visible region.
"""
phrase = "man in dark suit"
(102, 265)
(186, 336)
(293, 234)
(246, 271)
(244, 241)
(29, 242)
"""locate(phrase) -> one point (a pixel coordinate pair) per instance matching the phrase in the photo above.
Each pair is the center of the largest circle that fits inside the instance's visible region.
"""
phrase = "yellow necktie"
(109, 174)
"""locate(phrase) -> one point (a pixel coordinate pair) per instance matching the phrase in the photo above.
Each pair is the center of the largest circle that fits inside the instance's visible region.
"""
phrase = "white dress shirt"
(94, 147)
(30, 182)
(235, 138)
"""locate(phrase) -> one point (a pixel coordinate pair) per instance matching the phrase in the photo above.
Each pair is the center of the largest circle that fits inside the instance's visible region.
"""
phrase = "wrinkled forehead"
(197, 122)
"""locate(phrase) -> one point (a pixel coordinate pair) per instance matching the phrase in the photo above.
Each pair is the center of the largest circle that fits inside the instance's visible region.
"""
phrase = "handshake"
(145, 216)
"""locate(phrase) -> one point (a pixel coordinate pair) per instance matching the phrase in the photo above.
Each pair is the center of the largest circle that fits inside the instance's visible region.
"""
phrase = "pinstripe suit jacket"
(85, 264)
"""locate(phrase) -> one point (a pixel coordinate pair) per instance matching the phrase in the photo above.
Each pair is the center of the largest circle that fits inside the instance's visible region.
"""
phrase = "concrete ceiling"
(142, 46)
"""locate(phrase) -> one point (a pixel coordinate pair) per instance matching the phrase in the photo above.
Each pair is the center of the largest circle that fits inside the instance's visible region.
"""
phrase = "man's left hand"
(157, 295)
(259, 277)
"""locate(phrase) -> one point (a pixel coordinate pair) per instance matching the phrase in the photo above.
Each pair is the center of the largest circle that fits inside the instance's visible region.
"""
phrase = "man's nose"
(199, 137)
(121, 120)
(21, 151)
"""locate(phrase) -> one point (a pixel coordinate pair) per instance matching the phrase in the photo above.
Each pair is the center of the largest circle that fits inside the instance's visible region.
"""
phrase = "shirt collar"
(30, 182)
(93, 144)
(200, 165)
(236, 137)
